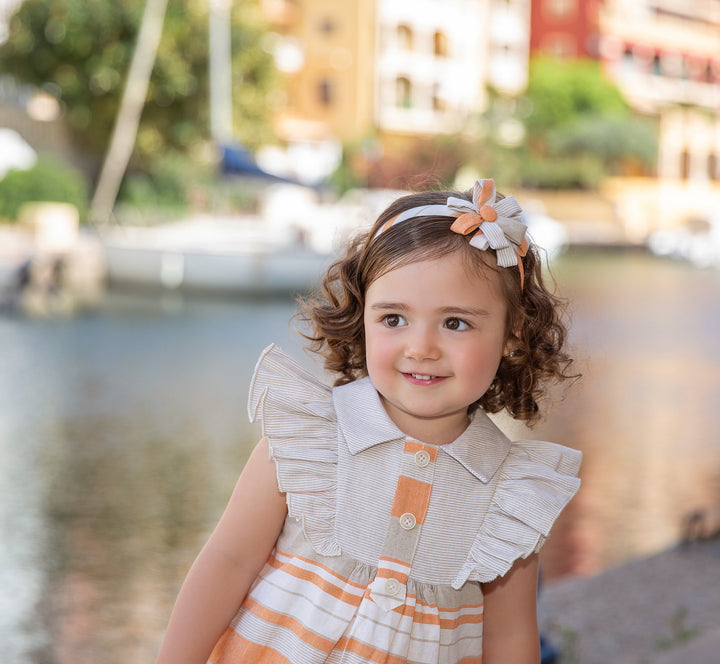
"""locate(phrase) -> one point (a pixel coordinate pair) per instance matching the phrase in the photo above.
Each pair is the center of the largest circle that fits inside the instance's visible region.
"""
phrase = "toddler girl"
(388, 519)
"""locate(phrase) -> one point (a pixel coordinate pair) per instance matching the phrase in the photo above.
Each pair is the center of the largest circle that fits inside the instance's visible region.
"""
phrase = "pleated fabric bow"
(497, 224)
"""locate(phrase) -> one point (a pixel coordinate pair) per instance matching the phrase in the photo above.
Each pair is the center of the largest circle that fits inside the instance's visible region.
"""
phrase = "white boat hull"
(277, 271)
(220, 256)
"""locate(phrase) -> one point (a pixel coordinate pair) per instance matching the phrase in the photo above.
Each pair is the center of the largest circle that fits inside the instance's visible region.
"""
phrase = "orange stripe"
(395, 561)
(460, 608)
(385, 573)
(467, 619)
(328, 587)
(315, 563)
(411, 496)
(444, 624)
(433, 618)
(413, 446)
(276, 563)
(234, 648)
(426, 619)
(368, 652)
(289, 623)
(487, 187)
(374, 655)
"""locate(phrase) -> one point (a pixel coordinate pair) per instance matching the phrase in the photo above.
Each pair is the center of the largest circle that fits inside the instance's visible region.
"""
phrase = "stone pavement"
(664, 609)
(704, 649)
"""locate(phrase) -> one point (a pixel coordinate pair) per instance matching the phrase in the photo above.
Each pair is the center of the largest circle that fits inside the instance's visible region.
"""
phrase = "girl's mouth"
(423, 379)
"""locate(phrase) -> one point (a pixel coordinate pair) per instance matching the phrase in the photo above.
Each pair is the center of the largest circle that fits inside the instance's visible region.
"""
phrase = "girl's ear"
(512, 343)
(514, 334)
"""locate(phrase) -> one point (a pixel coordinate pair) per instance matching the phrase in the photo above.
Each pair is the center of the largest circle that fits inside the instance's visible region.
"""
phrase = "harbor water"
(123, 430)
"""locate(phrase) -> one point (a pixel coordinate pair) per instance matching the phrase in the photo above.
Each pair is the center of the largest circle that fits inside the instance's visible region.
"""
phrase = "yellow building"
(393, 68)
(325, 49)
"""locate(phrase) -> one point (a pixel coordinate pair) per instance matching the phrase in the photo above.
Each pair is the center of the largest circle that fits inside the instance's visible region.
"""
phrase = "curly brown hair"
(535, 326)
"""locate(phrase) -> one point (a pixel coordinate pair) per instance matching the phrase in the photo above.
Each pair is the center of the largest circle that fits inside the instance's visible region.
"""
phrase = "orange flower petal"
(466, 223)
(488, 213)
(485, 192)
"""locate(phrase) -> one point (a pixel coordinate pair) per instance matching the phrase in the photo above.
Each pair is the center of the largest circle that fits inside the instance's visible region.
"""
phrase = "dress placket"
(407, 515)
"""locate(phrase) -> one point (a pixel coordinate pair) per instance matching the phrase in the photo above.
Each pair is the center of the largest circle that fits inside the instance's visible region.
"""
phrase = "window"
(628, 59)
(438, 103)
(326, 92)
(560, 8)
(405, 37)
(327, 26)
(713, 166)
(684, 164)
(440, 44)
(403, 92)
(656, 65)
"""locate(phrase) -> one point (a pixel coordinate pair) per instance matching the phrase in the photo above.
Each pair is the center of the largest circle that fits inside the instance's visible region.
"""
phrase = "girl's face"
(434, 337)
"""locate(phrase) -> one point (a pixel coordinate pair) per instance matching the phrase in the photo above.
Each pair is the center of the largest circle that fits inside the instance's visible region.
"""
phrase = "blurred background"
(174, 172)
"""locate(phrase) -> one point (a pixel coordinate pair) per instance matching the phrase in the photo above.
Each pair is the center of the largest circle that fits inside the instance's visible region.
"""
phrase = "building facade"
(664, 55)
(325, 50)
(394, 68)
(565, 28)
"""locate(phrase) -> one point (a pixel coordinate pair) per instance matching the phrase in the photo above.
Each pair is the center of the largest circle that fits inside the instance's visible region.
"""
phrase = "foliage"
(570, 129)
(179, 183)
(81, 51)
(48, 181)
(561, 90)
(578, 129)
(421, 163)
(613, 139)
(680, 631)
(170, 184)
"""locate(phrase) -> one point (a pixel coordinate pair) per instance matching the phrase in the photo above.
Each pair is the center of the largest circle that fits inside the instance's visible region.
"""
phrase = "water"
(122, 432)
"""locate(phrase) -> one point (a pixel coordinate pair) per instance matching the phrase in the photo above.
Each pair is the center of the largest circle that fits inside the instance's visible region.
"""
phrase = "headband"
(497, 223)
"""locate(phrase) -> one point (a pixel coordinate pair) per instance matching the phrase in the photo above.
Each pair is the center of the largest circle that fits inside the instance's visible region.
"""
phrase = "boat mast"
(124, 133)
(220, 52)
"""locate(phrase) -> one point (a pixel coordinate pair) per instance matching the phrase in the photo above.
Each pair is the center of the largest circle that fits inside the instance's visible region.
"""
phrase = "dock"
(662, 609)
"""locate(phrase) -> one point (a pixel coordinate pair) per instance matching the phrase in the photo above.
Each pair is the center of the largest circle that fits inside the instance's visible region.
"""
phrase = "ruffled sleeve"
(536, 482)
(299, 421)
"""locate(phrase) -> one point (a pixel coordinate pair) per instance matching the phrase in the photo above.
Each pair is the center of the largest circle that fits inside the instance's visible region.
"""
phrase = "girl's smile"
(434, 336)
(422, 379)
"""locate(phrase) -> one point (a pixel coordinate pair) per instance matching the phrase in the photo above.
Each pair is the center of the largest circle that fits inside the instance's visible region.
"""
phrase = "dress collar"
(363, 421)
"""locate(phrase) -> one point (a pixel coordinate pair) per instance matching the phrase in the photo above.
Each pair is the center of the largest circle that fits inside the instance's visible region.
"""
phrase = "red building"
(565, 28)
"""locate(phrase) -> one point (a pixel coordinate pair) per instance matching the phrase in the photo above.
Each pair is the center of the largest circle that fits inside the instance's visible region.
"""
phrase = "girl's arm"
(510, 629)
(228, 564)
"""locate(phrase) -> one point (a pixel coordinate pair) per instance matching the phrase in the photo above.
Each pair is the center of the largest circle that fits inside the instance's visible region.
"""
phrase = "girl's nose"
(422, 345)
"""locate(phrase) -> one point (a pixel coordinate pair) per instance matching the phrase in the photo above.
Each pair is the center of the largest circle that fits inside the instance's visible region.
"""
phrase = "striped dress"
(387, 539)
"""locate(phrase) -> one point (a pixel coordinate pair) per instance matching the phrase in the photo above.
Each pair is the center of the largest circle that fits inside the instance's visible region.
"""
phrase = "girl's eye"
(394, 320)
(456, 324)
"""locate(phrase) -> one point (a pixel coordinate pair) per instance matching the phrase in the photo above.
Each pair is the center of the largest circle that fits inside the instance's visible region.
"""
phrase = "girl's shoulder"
(280, 380)
(534, 483)
(299, 421)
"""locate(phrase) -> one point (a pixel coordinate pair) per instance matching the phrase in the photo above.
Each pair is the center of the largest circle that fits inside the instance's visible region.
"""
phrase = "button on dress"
(388, 539)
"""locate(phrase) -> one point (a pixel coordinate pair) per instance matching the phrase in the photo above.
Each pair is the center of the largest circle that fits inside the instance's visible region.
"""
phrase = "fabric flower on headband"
(497, 223)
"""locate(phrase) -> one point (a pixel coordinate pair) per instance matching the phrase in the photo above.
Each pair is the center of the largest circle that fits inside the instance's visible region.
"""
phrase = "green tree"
(578, 129)
(81, 50)
(562, 90)
(48, 180)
